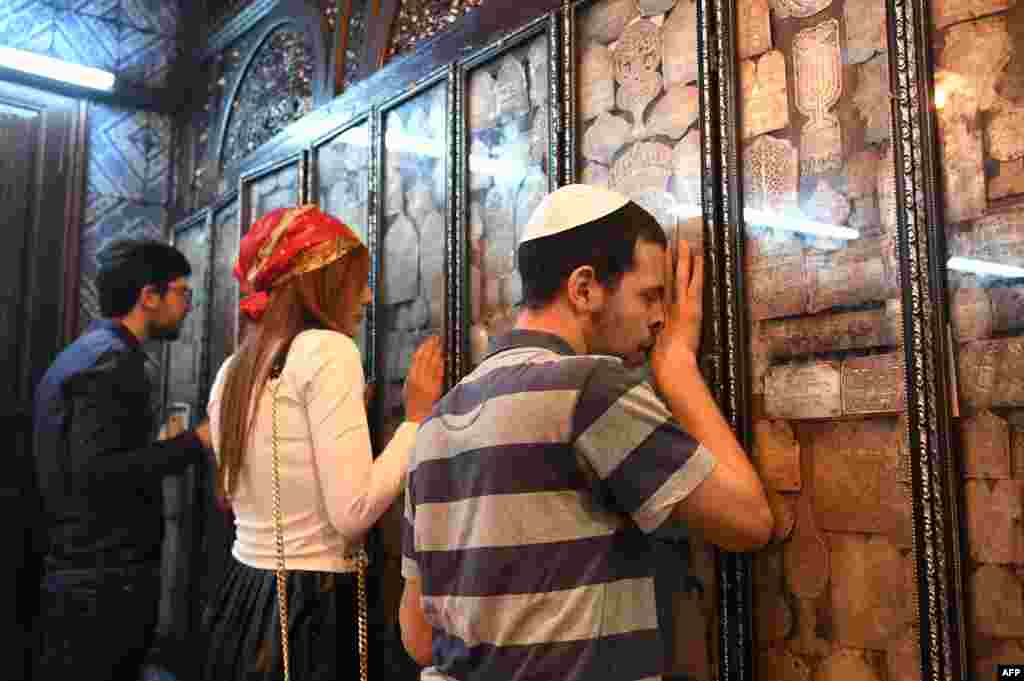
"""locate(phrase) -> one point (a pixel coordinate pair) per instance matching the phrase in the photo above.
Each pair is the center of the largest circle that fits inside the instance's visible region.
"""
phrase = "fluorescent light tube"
(976, 266)
(55, 69)
(793, 224)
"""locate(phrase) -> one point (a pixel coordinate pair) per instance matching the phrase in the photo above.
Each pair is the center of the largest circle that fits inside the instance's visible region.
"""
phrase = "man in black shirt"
(100, 471)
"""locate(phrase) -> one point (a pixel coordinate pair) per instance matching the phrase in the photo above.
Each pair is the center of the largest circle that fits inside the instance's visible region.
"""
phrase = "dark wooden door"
(40, 189)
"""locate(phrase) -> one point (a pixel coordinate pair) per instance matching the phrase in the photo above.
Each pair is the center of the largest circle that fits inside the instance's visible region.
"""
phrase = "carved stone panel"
(963, 167)
(999, 238)
(978, 51)
(519, 139)
(764, 104)
(1005, 143)
(637, 56)
(777, 664)
(948, 12)
(603, 140)
(827, 205)
(432, 237)
(675, 112)
(644, 166)
(993, 513)
(992, 373)
(753, 24)
(679, 44)
(798, 8)
(594, 174)
(401, 262)
(778, 455)
(873, 384)
(686, 169)
(985, 439)
(770, 174)
(480, 107)
(539, 66)
(605, 21)
(870, 595)
(511, 96)
(862, 172)
(849, 276)
(998, 602)
(804, 392)
(846, 665)
(865, 29)
(834, 332)
(596, 83)
(277, 189)
(224, 296)
(856, 485)
(342, 172)
(971, 314)
(819, 83)
(187, 357)
(887, 192)
(872, 98)
(777, 285)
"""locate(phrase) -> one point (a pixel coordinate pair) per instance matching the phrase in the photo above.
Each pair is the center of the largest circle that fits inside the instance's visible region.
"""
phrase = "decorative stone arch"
(301, 21)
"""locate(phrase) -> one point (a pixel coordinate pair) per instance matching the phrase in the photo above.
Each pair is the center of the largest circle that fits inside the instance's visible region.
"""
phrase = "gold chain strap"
(282, 588)
(361, 561)
(282, 592)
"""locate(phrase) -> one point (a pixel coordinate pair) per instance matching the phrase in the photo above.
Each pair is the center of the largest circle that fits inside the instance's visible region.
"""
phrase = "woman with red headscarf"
(289, 428)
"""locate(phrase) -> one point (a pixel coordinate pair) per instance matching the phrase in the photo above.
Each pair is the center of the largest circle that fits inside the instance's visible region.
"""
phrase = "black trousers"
(95, 627)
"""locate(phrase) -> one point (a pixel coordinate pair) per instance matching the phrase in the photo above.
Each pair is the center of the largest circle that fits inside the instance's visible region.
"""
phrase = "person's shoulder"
(609, 379)
(317, 347)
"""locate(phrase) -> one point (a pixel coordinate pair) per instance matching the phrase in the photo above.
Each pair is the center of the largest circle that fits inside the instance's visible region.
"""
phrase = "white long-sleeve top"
(332, 490)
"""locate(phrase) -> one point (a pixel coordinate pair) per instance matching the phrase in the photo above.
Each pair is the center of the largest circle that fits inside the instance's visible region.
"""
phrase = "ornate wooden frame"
(485, 35)
(445, 74)
(215, 210)
(300, 160)
(551, 25)
(934, 475)
(200, 219)
(311, 194)
(938, 547)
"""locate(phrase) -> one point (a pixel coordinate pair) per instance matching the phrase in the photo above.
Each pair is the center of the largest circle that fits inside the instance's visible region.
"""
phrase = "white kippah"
(571, 206)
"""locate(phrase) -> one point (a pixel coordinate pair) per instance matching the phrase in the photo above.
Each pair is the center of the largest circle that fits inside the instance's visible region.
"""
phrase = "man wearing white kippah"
(536, 481)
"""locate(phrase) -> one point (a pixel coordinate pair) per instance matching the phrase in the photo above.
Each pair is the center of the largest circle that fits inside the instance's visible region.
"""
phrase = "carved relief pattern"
(277, 189)
(343, 167)
(819, 75)
(639, 108)
(509, 139)
(420, 20)
(413, 231)
(770, 174)
(765, 100)
(637, 57)
(187, 358)
(980, 124)
(275, 90)
(224, 293)
(835, 597)
(798, 8)
(357, 29)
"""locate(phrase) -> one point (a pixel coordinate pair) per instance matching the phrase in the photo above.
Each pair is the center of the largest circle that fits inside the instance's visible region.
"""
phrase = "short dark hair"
(607, 244)
(126, 266)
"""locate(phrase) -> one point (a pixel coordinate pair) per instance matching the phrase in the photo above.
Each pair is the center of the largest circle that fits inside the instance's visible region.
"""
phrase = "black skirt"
(241, 629)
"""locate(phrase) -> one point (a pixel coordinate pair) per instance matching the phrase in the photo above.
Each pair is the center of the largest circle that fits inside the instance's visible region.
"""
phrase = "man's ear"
(585, 292)
(149, 297)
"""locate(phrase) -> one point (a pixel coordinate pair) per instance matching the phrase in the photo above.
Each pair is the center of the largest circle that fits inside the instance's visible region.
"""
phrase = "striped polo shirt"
(531, 490)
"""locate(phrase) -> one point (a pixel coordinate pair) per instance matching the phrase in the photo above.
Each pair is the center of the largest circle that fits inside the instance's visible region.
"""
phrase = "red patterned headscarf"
(283, 244)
